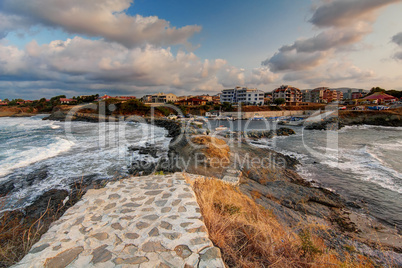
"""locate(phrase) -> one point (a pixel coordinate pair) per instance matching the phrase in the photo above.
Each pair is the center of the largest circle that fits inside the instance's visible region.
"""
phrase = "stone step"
(151, 221)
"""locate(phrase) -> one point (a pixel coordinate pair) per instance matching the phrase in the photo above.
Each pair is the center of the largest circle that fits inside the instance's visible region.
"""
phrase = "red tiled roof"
(380, 96)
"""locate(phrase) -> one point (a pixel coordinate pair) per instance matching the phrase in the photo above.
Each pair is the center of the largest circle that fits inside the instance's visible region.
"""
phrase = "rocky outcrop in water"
(329, 124)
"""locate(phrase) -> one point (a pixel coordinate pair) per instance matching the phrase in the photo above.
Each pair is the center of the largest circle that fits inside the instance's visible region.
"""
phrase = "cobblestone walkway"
(151, 221)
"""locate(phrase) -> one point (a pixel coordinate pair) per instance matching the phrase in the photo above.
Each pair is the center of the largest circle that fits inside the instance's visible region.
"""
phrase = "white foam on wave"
(363, 127)
(24, 158)
(367, 167)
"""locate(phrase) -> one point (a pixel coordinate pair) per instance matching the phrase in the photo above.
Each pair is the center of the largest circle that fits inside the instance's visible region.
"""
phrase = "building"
(3, 103)
(192, 102)
(325, 95)
(67, 101)
(381, 98)
(216, 99)
(291, 95)
(267, 98)
(242, 95)
(306, 95)
(163, 98)
(356, 95)
(104, 97)
(204, 97)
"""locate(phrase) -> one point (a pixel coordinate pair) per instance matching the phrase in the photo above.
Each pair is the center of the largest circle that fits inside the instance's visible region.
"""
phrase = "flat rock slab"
(151, 221)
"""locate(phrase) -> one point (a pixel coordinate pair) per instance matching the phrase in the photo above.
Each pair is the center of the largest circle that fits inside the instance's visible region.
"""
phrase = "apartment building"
(306, 95)
(159, 98)
(291, 95)
(242, 95)
(325, 95)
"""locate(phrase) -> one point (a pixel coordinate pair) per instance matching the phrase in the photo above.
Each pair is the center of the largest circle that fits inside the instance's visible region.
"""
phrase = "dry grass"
(214, 147)
(250, 236)
(16, 238)
(19, 231)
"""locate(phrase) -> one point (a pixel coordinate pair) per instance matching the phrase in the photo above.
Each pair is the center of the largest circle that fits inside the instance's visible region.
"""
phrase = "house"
(204, 97)
(28, 101)
(104, 97)
(161, 98)
(242, 95)
(3, 103)
(381, 97)
(192, 102)
(291, 95)
(67, 101)
(216, 99)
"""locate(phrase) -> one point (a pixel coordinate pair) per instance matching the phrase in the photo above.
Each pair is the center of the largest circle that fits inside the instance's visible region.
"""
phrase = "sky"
(138, 47)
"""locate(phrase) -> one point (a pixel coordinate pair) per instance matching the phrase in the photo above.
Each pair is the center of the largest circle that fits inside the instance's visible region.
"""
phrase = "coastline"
(321, 206)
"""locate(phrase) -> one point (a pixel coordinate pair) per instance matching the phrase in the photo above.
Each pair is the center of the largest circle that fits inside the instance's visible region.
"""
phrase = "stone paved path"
(151, 221)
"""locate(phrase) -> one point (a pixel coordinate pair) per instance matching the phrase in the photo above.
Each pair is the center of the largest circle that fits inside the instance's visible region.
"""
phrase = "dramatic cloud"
(397, 39)
(98, 64)
(345, 24)
(291, 60)
(99, 18)
(343, 13)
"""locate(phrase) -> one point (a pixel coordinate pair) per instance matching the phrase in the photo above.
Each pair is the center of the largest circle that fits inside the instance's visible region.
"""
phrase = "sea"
(361, 163)
(66, 152)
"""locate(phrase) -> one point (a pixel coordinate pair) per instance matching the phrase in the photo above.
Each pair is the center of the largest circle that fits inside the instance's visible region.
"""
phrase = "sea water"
(67, 151)
(361, 163)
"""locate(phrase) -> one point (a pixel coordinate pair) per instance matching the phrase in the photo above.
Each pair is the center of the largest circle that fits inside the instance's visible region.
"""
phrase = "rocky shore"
(274, 184)
(390, 118)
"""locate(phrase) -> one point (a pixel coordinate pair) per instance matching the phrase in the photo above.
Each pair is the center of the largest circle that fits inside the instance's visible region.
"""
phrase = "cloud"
(315, 60)
(332, 38)
(397, 39)
(98, 18)
(291, 60)
(10, 23)
(346, 23)
(98, 64)
(398, 55)
(332, 73)
(343, 13)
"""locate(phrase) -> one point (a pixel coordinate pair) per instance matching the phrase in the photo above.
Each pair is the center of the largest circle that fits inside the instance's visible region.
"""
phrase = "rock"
(166, 225)
(52, 199)
(63, 259)
(132, 236)
(154, 232)
(133, 260)
(101, 254)
(328, 124)
(39, 249)
(183, 251)
(101, 236)
(153, 246)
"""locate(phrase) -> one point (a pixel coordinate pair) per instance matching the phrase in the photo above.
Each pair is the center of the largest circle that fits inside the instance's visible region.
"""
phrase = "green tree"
(279, 101)
(227, 107)
(395, 93)
(376, 89)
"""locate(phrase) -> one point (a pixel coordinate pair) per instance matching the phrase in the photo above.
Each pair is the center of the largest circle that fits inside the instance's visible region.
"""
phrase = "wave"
(363, 127)
(366, 166)
(18, 159)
